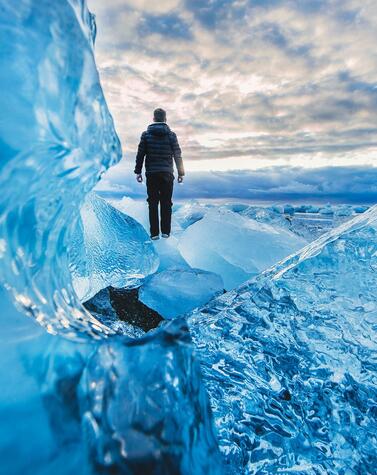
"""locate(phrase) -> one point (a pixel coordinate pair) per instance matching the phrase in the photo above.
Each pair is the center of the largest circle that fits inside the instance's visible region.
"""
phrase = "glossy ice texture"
(109, 248)
(57, 140)
(290, 360)
(174, 292)
(234, 246)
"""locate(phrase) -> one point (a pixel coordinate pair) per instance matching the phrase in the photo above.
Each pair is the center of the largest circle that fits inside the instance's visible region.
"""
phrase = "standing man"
(159, 145)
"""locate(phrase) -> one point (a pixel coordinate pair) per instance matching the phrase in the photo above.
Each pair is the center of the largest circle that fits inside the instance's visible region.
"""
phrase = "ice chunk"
(296, 348)
(57, 140)
(235, 247)
(169, 254)
(145, 408)
(39, 431)
(268, 216)
(109, 248)
(190, 213)
(134, 208)
(327, 210)
(175, 292)
(360, 209)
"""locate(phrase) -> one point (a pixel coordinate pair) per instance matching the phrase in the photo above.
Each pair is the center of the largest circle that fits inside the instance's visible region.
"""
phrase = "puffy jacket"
(159, 145)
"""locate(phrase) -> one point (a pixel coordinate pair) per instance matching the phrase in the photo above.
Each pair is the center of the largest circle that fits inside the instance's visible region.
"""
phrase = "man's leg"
(166, 192)
(153, 200)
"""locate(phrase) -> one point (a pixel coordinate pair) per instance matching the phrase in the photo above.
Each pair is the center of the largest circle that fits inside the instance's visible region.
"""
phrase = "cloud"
(268, 80)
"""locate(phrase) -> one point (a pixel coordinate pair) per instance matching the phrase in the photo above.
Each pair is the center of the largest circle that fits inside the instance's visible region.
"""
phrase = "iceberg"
(175, 292)
(235, 247)
(290, 359)
(108, 248)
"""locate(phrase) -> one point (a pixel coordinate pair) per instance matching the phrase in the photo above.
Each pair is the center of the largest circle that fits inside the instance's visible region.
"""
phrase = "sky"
(270, 99)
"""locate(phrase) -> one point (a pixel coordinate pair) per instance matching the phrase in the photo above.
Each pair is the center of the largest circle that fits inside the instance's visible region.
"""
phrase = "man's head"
(159, 115)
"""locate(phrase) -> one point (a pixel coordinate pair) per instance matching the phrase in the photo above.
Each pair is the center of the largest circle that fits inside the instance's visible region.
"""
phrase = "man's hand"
(139, 178)
(180, 179)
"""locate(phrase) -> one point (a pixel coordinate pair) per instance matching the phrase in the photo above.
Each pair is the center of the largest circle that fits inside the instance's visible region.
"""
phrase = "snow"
(175, 292)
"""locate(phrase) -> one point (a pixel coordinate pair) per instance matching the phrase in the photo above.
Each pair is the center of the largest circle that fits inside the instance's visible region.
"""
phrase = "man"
(159, 145)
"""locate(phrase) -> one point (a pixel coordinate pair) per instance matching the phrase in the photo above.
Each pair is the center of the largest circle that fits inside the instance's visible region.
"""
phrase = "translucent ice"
(134, 208)
(169, 254)
(290, 359)
(235, 247)
(109, 248)
(57, 140)
(175, 292)
(191, 212)
(139, 210)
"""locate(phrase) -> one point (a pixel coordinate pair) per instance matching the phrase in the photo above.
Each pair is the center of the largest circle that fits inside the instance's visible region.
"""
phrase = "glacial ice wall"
(290, 360)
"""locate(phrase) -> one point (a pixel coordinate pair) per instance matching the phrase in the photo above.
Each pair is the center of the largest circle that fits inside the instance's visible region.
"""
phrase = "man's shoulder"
(172, 134)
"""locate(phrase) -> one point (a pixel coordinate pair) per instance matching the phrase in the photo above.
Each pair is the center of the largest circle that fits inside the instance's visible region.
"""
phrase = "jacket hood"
(159, 128)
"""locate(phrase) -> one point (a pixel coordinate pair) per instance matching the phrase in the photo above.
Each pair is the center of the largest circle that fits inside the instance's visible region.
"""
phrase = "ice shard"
(108, 248)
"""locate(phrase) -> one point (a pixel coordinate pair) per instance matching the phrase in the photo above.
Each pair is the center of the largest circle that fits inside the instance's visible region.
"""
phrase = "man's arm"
(141, 152)
(177, 154)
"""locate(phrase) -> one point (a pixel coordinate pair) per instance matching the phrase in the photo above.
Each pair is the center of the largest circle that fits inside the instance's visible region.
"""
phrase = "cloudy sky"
(271, 99)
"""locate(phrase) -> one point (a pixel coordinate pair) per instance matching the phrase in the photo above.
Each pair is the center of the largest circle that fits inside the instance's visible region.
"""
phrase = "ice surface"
(39, 431)
(174, 292)
(191, 212)
(169, 254)
(290, 360)
(135, 208)
(235, 247)
(109, 248)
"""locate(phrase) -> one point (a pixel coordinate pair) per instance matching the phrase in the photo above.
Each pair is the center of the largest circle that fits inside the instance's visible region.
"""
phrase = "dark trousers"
(160, 191)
